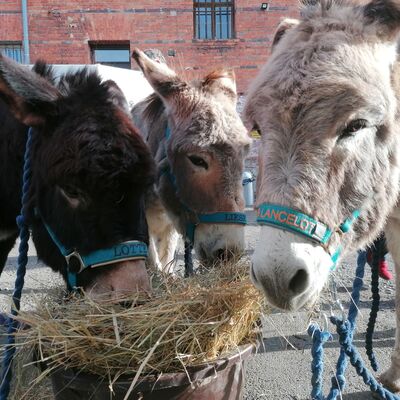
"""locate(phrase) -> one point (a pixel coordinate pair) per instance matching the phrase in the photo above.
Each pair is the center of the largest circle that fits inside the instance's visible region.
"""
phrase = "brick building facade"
(68, 31)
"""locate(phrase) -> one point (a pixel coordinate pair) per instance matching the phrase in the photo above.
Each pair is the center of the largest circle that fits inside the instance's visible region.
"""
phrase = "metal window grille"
(213, 19)
(12, 50)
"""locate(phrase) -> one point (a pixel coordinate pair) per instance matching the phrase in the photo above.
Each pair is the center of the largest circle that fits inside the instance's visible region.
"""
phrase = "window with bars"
(213, 19)
(12, 50)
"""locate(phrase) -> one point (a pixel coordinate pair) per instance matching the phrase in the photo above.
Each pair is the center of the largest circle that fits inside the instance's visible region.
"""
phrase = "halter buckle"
(75, 262)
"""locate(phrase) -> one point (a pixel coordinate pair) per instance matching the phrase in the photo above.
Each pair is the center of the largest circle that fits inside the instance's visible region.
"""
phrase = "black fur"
(386, 12)
(86, 147)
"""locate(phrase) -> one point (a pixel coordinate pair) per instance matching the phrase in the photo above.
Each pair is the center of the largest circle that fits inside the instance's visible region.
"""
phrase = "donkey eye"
(70, 191)
(198, 162)
(121, 199)
(72, 195)
(255, 132)
(353, 127)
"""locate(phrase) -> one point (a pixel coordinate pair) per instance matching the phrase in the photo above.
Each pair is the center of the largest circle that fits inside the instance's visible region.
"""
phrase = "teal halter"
(294, 221)
(130, 250)
(222, 217)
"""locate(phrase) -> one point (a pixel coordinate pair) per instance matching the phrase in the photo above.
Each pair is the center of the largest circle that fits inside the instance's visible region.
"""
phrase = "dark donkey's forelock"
(90, 166)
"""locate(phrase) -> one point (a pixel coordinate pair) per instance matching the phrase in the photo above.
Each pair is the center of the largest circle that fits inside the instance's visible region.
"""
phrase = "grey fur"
(339, 64)
(324, 73)
(203, 121)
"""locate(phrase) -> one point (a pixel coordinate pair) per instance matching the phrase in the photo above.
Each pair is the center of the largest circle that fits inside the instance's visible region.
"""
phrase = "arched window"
(213, 19)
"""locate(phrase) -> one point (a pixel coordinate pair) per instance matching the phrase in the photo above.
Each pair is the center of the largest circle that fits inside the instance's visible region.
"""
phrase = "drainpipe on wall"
(25, 31)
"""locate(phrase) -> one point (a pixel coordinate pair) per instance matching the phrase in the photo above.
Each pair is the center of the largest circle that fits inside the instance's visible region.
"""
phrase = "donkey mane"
(119, 155)
(84, 85)
(154, 107)
(211, 77)
(74, 83)
(314, 9)
(376, 12)
(44, 70)
(325, 5)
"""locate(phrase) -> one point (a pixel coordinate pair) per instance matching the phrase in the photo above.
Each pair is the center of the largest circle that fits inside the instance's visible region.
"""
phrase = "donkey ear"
(283, 27)
(386, 15)
(221, 82)
(117, 96)
(30, 97)
(163, 79)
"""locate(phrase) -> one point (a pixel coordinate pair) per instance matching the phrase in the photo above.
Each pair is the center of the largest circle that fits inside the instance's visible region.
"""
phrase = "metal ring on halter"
(71, 267)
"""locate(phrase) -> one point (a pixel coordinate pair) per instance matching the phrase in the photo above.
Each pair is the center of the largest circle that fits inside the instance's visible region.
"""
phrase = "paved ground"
(282, 368)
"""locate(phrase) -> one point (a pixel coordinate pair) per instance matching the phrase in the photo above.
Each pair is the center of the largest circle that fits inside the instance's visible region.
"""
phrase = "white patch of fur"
(386, 53)
(276, 260)
(228, 82)
(163, 239)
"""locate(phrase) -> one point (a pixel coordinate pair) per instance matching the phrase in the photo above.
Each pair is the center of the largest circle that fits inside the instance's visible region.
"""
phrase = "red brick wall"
(60, 31)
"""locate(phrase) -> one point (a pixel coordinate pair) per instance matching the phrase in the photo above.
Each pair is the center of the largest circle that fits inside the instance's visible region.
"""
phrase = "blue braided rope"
(378, 254)
(6, 375)
(339, 381)
(317, 366)
(343, 329)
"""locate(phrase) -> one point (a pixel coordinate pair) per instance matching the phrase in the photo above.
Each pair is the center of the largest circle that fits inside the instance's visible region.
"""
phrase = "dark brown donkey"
(90, 172)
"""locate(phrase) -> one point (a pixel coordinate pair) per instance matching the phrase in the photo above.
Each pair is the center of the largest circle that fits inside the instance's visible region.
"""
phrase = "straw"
(186, 322)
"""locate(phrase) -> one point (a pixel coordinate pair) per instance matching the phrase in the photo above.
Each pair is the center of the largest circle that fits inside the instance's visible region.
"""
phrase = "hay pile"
(186, 322)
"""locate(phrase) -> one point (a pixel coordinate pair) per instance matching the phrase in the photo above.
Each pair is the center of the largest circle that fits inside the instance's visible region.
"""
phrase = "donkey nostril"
(221, 254)
(224, 254)
(299, 282)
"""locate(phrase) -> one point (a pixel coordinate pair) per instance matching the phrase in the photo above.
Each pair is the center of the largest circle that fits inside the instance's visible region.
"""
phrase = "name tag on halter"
(129, 249)
(292, 220)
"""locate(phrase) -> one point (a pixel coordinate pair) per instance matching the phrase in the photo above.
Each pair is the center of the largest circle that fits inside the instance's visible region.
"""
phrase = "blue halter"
(129, 250)
(222, 217)
(294, 221)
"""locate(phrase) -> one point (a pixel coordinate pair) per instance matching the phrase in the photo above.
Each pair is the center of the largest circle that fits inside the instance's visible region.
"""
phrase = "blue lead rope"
(22, 222)
(345, 329)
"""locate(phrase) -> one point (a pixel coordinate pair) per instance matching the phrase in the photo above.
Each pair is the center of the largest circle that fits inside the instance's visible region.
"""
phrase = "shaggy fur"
(327, 106)
(204, 125)
(90, 166)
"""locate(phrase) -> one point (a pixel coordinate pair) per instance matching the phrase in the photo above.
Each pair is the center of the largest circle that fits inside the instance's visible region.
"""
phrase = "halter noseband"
(288, 219)
(76, 262)
(221, 217)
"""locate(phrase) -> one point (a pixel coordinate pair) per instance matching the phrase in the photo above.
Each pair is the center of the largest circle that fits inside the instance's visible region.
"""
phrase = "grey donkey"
(327, 106)
(199, 144)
